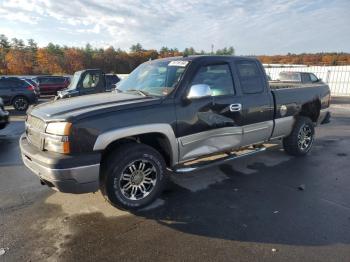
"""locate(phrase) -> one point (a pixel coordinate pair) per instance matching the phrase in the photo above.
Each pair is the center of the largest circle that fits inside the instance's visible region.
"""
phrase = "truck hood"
(82, 106)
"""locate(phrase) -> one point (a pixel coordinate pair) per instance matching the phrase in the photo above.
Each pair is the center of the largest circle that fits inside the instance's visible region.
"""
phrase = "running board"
(183, 169)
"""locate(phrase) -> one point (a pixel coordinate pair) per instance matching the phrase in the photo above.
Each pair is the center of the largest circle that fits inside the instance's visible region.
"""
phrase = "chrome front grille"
(34, 127)
(35, 123)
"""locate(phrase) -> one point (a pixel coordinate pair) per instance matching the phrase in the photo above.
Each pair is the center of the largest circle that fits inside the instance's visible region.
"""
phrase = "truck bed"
(284, 85)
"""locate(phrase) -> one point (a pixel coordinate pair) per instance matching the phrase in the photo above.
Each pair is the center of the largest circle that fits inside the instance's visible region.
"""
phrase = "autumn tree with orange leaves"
(20, 62)
(20, 58)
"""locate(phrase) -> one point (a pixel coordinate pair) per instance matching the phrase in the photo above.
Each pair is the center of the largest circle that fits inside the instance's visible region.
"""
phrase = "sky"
(251, 27)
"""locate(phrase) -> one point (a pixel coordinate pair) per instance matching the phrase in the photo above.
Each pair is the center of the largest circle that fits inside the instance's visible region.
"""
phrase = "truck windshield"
(154, 78)
(73, 84)
(289, 77)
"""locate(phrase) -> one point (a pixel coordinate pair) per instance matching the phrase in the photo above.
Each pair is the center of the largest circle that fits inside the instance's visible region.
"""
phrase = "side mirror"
(199, 91)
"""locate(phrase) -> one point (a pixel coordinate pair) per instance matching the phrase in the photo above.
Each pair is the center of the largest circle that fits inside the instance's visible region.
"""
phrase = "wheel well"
(156, 140)
(311, 110)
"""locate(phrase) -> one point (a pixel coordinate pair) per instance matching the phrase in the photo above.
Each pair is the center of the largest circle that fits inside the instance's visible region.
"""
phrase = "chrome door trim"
(225, 131)
(208, 142)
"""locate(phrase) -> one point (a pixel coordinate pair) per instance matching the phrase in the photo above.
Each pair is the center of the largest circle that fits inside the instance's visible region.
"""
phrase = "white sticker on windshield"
(178, 63)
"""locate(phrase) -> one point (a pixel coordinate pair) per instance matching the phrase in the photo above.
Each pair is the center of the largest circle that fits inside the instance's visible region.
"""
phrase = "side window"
(250, 77)
(218, 77)
(313, 78)
(19, 83)
(91, 80)
(14, 83)
(306, 78)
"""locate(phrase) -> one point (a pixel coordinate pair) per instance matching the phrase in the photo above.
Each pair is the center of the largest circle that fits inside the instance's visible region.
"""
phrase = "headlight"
(57, 138)
(58, 128)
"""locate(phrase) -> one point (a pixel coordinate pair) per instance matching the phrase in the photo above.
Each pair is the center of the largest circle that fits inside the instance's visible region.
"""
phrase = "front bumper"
(69, 174)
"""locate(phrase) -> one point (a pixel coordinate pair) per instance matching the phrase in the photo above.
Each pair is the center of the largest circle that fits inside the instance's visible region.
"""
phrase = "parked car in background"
(89, 81)
(49, 85)
(18, 93)
(32, 83)
(4, 115)
(298, 77)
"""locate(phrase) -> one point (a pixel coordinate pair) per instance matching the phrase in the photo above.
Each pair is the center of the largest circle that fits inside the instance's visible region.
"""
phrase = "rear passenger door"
(256, 100)
(209, 124)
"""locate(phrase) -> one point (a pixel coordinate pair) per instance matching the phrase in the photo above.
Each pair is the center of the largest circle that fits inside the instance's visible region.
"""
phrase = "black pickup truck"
(169, 115)
(87, 82)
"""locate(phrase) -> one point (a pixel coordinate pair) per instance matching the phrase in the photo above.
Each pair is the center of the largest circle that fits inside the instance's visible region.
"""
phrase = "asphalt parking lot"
(252, 209)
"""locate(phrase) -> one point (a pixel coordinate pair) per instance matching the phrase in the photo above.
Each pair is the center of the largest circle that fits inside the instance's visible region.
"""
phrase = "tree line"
(25, 58)
(18, 57)
(327, 59)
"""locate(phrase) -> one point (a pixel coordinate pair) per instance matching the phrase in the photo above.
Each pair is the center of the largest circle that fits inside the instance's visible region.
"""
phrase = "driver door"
(210, 124)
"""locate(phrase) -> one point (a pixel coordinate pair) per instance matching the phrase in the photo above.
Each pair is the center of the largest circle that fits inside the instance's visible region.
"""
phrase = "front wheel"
(20, 103)
(134, 176)
(300, 141)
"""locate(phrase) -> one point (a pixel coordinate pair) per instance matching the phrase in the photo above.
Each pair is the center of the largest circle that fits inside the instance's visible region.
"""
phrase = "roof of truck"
(202, 57)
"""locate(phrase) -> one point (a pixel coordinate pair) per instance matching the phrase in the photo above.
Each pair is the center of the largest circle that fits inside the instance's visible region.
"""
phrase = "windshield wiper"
(140, 92)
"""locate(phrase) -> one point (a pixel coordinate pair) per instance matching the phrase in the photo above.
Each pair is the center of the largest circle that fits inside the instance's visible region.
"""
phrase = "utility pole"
(212, 49)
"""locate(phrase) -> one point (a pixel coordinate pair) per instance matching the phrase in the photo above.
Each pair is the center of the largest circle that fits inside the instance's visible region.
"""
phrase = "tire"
(128, 184)
(20, 103)
(300, 141)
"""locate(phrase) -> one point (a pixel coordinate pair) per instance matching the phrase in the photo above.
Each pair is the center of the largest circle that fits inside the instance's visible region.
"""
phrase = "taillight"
(30, 88)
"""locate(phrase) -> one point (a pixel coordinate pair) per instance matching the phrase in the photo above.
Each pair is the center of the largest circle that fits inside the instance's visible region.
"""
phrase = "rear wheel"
(134, 176)
(300, 141)
(20, 103)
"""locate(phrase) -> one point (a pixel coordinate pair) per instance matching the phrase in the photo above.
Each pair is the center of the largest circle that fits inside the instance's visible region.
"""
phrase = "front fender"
(105, 139)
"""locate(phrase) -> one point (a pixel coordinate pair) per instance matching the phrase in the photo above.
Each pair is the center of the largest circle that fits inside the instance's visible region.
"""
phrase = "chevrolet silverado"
(169, 115)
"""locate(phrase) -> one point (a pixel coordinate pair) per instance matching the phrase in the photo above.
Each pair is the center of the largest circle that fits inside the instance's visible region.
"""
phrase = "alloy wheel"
(20, 104)
(305, 137)
(137, 180)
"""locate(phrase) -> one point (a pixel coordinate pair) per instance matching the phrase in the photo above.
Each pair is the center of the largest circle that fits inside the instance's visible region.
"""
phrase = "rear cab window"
(250, 76)
(313, 78)
(306, 78)
(289, 77)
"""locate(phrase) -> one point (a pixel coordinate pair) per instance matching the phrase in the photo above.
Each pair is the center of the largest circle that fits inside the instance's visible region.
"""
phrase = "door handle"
(235, 107)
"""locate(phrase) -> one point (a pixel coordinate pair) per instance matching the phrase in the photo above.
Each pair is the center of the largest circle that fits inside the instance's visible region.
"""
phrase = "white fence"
(337, 77)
